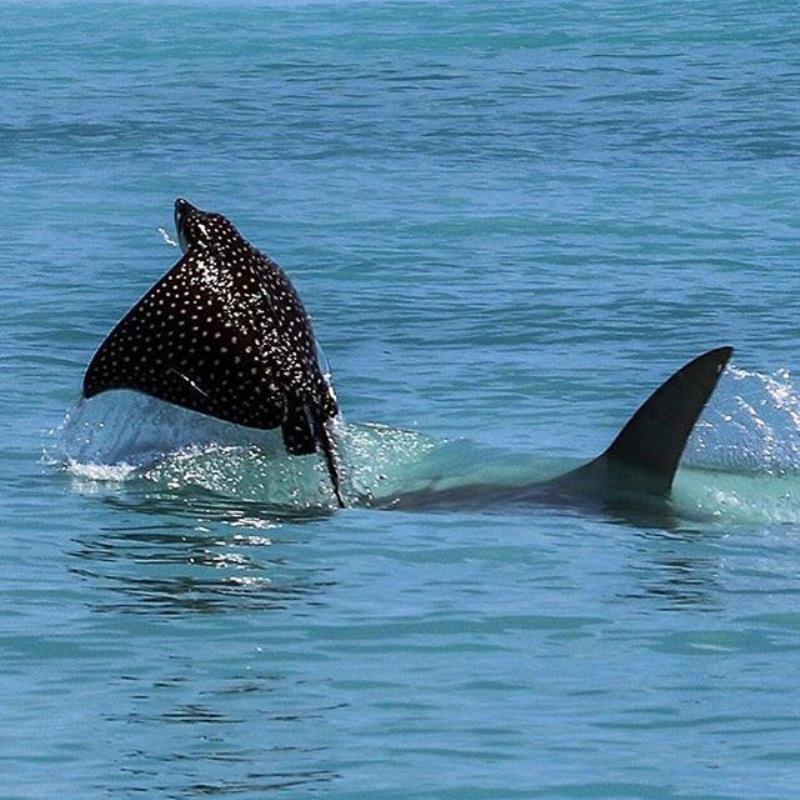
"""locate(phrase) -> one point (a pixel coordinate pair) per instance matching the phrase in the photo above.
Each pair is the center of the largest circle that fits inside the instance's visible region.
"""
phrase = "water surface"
(510, 223)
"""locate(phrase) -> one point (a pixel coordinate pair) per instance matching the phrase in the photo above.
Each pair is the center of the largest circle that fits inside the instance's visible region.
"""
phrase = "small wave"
(736, 498)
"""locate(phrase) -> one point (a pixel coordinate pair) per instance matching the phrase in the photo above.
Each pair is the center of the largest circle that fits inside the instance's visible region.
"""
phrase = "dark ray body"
(224, 333)
(637, 470)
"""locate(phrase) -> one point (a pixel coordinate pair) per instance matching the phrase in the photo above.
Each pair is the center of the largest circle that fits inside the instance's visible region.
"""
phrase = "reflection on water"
(194, 554)
(680, 583)
(178, 595)
(209, 744)
(677, 568)
(234, 719)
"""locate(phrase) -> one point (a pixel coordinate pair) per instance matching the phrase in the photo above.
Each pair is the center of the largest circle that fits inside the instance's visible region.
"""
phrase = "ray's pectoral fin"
(646, 452)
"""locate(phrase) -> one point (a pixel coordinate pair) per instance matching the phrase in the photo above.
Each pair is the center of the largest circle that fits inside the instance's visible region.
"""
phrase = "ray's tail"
(328, 443)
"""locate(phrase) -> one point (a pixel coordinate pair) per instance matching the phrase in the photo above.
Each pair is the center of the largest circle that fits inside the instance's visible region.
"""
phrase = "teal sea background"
(510, 222)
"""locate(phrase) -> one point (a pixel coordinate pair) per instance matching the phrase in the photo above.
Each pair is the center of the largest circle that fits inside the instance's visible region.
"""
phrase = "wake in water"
(742, 461)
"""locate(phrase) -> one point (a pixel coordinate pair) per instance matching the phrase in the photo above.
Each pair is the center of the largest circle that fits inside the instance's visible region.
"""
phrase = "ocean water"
(510, 222)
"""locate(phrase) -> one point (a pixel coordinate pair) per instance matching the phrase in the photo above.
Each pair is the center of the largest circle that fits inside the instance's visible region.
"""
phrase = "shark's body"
(224, 333)
(636, 471)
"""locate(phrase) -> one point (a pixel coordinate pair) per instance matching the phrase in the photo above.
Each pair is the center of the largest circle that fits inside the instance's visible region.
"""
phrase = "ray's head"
(201, 228)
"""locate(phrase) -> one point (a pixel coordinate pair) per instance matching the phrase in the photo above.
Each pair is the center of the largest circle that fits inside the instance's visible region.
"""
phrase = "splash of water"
(125, 436)
(742, 461)
(167, 238)
(751, 427)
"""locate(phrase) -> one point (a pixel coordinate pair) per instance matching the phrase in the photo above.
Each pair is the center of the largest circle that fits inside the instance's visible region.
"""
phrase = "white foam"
(115, 473)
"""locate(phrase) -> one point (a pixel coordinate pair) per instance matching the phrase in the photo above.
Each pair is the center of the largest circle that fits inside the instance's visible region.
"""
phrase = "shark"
(636, 471)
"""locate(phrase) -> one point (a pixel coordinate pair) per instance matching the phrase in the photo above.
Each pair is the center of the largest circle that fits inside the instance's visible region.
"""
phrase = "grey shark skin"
(635, 472)
(224, 333)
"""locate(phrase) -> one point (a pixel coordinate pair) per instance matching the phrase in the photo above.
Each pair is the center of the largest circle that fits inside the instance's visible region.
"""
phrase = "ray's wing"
(192, 341)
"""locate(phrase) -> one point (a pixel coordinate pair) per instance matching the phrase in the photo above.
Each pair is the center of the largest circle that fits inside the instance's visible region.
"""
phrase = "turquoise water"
(510, 223)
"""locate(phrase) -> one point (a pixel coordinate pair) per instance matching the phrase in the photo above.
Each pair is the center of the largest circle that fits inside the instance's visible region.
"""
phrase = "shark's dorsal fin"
(652, 442)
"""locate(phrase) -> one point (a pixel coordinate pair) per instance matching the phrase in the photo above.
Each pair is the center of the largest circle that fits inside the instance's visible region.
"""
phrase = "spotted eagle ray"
(224, 333)
(637, 470)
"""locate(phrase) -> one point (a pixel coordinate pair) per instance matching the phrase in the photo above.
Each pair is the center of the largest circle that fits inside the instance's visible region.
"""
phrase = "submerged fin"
(648, 449)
